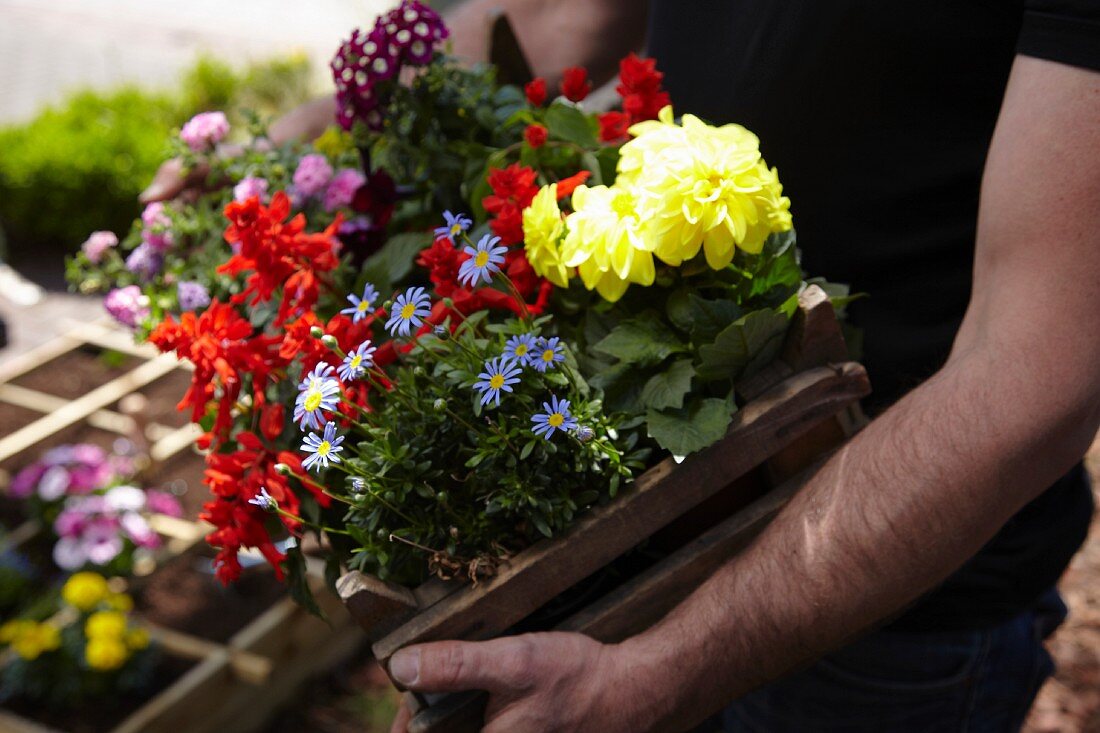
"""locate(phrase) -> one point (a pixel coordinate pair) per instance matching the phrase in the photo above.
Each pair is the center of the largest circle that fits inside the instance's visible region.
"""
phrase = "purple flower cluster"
(147, 259)
(129, 306)
(69, 470)
(192, 295)
(405, 35)
(94, 529)
(249, 187)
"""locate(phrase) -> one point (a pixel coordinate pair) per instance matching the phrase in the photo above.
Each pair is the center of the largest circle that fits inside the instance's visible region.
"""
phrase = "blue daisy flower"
(521, 347)
(357, 362)
(484, 261)
(555, 416)
(499, 375)
(456, 224)
(264, 500)
(322, 450)
(314, 378)
(321, 394)
(547, 354)
(409, 310)
(360, 307)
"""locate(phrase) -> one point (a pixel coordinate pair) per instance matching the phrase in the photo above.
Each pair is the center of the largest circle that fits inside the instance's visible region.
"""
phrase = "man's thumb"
(453, 666)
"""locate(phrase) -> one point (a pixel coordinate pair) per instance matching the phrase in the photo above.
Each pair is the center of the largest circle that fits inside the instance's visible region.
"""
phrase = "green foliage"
(79, 166)
(460, 486)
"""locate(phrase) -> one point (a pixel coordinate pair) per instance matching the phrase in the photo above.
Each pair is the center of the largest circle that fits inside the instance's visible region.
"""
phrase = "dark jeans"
(899, 682)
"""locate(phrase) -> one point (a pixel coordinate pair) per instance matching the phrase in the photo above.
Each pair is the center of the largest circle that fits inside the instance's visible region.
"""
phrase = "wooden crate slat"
(46, 403)
(20, 364)
(378, 607)
(10, 723)
(174, 442)
(190, 696)
(114, 339)
(249, 667)
(81, 407)
(658, 496)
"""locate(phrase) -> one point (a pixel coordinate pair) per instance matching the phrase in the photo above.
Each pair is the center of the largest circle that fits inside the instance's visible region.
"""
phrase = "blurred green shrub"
(79, 166)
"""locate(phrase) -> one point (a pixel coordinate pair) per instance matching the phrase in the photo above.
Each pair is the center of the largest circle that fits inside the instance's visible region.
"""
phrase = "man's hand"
(537, 683)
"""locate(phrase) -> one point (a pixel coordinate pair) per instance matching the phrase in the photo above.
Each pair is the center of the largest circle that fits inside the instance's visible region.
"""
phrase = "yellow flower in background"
(333, 142)
(137, 639)
(35, 639)
(120, 602)
(607, 241)
(85, 591)
(105, 654)
(543, 230)
(706, 188)
(12, 630)
(105, 625)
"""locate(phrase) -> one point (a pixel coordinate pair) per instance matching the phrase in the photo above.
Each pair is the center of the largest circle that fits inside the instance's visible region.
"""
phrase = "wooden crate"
(798, 410)
(238, 684)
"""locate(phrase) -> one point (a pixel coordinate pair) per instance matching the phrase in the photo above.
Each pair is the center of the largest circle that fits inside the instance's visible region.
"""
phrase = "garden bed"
(219, 645)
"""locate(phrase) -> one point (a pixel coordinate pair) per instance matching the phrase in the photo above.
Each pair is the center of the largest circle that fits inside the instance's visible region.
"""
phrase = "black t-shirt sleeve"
(1062, 30)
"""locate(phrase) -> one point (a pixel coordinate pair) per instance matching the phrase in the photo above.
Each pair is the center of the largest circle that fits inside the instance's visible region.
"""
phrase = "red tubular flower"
(278, 254)
(574, 83)
(535, 135)
(613, 126)
(567, 186)
(640, 87)
(442, 261)
(535, 91)
(513, 189)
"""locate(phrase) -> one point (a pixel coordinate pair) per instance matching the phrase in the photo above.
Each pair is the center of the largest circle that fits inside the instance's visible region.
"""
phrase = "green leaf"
(692, 428)
(642, 341)
(298, 581)
(668, 388)
(394, 261)
(679, 309)
(711, 317)
(566, 122)
(744, 346)
(542, 526)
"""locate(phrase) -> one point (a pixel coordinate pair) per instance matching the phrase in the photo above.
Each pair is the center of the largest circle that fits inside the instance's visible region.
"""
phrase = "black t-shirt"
(878, 115)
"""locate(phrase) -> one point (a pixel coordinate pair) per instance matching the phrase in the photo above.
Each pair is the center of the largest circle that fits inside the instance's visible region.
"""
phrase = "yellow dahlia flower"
(84, 591)
(106, 653)
(105, 624)
(707, 187)
(36, 639)
(607, 241)
(543, 230)
(137, 639)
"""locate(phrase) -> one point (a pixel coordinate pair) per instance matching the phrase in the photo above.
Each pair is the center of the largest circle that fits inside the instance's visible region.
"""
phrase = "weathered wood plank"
(660, 495)
(80, 408)
(377, 606)
(504, 51)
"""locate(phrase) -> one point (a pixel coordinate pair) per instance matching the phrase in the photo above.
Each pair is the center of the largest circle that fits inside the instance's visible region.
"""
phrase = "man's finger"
(500, 665)
(170, 180)
(401, 720)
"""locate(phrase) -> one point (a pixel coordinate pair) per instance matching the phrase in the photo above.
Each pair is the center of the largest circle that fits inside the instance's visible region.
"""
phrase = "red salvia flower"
(535, 135)
(535, 91)
(513, 189)
(613, 126)
(567, 186)
(574, 83)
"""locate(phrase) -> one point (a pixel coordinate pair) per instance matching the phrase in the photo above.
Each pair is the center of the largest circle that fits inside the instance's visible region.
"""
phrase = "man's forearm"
(892, 514)
(556, 34)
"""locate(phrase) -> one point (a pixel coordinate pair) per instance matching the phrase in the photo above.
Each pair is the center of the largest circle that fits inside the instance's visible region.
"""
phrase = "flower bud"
(439, 405)
(585, 434)
(330, 341)
(282, 469)
(316, 332)
(441, 332)
(419, 371)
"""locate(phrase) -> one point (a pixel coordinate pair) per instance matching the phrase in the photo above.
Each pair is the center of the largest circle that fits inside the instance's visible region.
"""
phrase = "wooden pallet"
(239, 683)
(798, 410)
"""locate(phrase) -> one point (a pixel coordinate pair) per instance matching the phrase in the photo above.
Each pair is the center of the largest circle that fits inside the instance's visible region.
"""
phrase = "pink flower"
(54, 483)
(205, 130)
(97, 245)
(69, 523)
(249, 187)
(128, 305)
(161, 502)
(342, 189)
(138, 530)
(312, 175)
(25, 481)
(157, 227)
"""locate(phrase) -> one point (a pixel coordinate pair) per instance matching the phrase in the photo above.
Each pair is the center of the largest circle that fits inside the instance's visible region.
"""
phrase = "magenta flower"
(145, 261)
(161, 502)
(249, 187)
(97, 245)
(341, 190)
(157, 227)
(204, 131)
(128, 305)
(312, 175)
